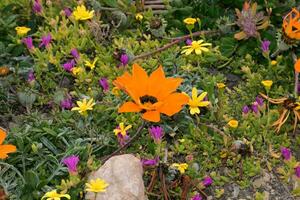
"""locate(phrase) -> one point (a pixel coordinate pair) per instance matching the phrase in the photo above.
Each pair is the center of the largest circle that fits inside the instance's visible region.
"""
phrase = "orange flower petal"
(297, 65)
(152, 116)
(6, 149)
(139, 80)
(129, 107)
(173, 103)
(2, 135)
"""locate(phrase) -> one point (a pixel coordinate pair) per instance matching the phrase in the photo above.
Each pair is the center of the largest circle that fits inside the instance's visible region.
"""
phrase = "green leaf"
(31, 179)
(227, 46)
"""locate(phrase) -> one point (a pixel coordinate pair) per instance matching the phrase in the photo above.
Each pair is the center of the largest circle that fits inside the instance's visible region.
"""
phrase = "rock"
(124, 174)
(236, 191)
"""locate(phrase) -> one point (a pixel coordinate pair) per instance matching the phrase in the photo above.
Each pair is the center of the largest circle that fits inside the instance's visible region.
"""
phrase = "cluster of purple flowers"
(287, 155)
(45, 42)
(255, 107)
(207, 181)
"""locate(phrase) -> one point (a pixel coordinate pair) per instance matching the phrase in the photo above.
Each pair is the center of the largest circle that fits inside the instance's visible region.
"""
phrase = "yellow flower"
(197, 101)
(220, 85)
(81, 13)
(84, 106)
(267, 83)
(139, 17)
(190, 21)
(77, 70)
(53, 195)
(181, 167)
(116, 91)
(91, 65)
(273, 62)
(121, 129)
(22, 30)
(197, 46)
(96, 186)
(233, 123)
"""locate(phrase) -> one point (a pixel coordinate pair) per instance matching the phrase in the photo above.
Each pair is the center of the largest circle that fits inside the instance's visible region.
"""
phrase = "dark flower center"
(148, 99)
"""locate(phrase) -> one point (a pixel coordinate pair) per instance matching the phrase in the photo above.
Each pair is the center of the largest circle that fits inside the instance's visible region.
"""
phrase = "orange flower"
(5, 148)
(297, 65)
(291, 24)
(152, 94)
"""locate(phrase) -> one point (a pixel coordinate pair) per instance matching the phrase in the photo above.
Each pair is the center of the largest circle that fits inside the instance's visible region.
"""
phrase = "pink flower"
(197, 197)
(156, 133)
(104, 84)
(46, 40)
(75, 53)
(68, 12)
(286, 153)
(37, 7)
(207, 181)
(150, 162)
(124, 59)
(297, 171)
(71, 162)
(69, 65)
(28, 42)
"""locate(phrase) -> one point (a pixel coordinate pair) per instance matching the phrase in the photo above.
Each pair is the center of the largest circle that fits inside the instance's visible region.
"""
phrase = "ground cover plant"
(204, 92)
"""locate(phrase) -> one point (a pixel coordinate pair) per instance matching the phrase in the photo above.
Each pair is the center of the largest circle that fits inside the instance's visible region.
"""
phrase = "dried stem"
(175, 41)
(137, 134)
(296, 76)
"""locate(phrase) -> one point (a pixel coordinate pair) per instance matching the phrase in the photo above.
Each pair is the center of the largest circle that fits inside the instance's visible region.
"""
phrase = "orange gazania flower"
(152, 94)
(291, 24)
(5, 148)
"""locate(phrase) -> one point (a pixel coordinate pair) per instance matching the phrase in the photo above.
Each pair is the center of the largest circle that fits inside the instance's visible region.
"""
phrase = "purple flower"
(246, 110)
(69, 65)
(265, 46)
(68, 12)
(124, 59)
(188, 42)
(46, 40)
(75, 53)
(71, 163)
(197, 197)
(286, 153)
(298, 88)
(150, 162)
(122, 139)
(260, 101)
(37, 6)
(66, 103)
(156, 133)
(254, 107)
(207, 181)
(28, 42)
(31, 76)
(104, 84)
(297, 171)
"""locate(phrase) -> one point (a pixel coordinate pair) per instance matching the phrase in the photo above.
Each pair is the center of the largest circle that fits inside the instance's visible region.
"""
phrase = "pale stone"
(124, 174)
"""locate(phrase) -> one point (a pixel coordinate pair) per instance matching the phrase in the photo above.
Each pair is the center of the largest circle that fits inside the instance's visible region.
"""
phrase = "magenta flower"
(286, 153)
(71, 162)
(31, 76)
(124, 59)
(254, 107)
(150, 162)
(156, 133)
(75, 53)
(188, 42)
(297, 171)
(246, 110)
(66, 103)
(69, 65)
(265, 46)
(104, 84)
(37, 6)
(197, 197)
(46, 40)
(207, 181)
(28, 42)
(68, 12)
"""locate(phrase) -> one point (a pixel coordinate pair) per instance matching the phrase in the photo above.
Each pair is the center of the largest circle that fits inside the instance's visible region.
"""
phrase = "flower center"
(148, 99)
